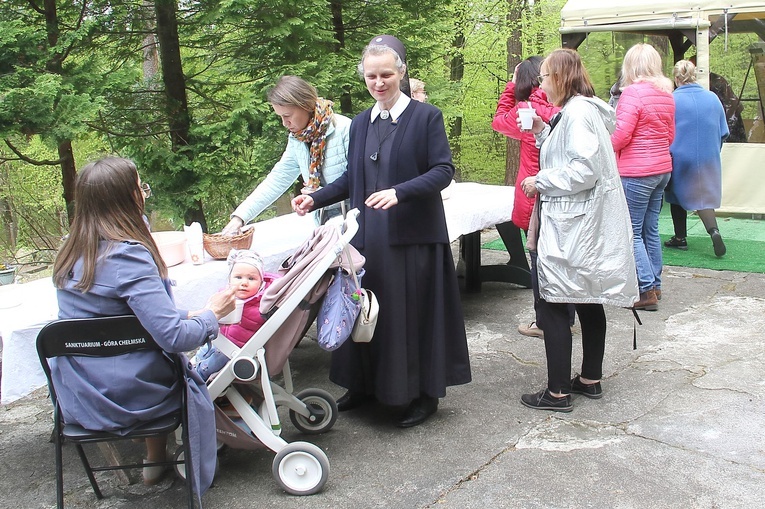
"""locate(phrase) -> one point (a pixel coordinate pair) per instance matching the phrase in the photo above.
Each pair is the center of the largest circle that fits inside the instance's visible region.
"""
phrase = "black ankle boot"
(717, 242)
(351, 400)
(418, 411)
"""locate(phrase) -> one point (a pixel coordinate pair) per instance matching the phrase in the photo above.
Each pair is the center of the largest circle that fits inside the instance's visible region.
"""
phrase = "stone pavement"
(680, 424)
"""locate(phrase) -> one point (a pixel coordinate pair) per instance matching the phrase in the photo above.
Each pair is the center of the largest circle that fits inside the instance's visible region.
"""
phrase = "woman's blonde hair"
(108, 205)
(642, 63)
(568, 75)
(294, 91)
(684, 72)
(416, 85)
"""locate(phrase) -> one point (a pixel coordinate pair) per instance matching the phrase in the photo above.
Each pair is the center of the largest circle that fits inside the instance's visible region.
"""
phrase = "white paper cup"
(197, 253)
(527, 117)
(235, 316)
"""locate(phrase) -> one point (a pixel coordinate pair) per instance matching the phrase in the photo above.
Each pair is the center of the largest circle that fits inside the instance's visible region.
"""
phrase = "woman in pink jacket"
(524, 91)
(645, 128)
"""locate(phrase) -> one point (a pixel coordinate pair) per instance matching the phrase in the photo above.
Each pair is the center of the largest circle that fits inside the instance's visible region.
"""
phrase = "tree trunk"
(179, 119)
(8, 237)
(65, 153)
(457, 71)
(68, 175)
(172, 74)
(514, 52)
(150, 51)
(336, 6)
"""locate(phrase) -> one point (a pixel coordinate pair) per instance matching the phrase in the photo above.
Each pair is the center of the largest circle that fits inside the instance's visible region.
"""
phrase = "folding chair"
(106, 337)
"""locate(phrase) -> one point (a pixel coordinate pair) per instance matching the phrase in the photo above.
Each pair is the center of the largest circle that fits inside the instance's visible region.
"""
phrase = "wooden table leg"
(113, 458)
(471, 246)
(515, 271)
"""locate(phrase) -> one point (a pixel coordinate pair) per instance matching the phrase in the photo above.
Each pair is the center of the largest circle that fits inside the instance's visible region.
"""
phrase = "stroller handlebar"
(350, 226)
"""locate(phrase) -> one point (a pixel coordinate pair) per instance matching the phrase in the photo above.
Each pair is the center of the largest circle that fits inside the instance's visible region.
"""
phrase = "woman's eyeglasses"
(542, 77)
(146, 190)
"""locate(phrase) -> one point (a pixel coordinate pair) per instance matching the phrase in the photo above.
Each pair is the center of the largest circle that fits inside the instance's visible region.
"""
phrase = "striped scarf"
(315, 134)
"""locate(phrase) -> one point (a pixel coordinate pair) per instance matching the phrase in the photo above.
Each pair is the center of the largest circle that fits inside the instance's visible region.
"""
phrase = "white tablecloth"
(469, 207)
(274, 240)
(26, 308)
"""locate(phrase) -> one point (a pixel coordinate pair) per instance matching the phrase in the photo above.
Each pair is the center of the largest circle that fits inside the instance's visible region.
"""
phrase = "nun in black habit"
(398, 162)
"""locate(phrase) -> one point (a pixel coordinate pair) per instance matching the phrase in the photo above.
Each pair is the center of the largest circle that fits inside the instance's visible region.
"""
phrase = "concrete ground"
(680, 424)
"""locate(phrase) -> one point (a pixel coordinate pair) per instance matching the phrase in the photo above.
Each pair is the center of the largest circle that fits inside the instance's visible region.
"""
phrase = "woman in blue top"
(696, 183)
(109, 265)
(317, 149)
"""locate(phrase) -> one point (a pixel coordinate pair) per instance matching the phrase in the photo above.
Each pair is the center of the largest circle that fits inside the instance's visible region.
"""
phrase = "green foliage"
(93, 86)
(482, 151)
(31, 197)
(34, 98)
(731, 58)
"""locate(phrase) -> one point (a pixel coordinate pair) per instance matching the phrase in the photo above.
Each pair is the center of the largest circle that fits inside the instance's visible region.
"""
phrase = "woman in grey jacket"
(583, 230)
(317, 149)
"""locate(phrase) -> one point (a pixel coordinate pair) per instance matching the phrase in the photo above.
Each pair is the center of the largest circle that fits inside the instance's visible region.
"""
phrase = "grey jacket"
(585, 233)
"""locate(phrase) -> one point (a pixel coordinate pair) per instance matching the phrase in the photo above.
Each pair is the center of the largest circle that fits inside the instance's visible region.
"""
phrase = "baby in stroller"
(247, 276)
(247, 399)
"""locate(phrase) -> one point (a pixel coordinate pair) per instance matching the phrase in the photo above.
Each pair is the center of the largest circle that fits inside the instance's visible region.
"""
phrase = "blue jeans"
(644, 199)
(208, 361)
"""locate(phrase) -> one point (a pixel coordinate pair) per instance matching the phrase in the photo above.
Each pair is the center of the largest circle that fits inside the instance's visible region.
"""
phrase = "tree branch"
(29, 160)
(36, 7)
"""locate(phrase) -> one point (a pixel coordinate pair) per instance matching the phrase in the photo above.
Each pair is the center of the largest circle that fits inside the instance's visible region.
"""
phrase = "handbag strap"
(353, 267)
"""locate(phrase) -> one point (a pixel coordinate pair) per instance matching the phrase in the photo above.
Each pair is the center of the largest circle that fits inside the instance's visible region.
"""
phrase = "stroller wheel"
(180, 468)
(301, 468)
(323, 410)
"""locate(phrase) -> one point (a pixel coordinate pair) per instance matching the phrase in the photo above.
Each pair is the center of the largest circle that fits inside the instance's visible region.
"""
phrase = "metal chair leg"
(88, 470)
(59, 471)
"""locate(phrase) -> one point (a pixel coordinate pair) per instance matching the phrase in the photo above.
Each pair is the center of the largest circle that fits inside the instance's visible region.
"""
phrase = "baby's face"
(246, 279)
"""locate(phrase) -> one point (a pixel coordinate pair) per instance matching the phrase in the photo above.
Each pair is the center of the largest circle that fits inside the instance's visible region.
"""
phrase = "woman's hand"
(302, 204)
(384, 199)
(308, 189)
(529, 186)
(537, 127)
(234, 227)
(222, 303)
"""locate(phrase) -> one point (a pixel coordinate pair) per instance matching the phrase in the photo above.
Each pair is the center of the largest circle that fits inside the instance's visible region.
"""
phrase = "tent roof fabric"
(588, 13)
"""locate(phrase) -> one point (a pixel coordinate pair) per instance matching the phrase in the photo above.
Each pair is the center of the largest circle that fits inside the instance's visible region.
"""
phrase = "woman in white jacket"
(317, 149)
(583, 233)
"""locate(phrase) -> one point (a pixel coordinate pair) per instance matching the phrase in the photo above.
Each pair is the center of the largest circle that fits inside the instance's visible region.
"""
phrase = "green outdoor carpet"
(744, 238)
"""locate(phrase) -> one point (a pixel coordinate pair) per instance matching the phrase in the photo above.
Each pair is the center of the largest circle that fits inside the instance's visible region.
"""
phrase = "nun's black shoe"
(351, 400)
(418, 411)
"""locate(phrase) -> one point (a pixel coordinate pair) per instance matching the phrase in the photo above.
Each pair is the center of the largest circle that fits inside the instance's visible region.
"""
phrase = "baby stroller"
(300, 468)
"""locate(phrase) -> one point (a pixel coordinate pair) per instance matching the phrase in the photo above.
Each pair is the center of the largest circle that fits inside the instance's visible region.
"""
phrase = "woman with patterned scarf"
(317, 149)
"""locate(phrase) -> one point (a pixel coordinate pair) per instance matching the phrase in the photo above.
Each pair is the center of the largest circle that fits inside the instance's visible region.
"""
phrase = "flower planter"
(7, 276)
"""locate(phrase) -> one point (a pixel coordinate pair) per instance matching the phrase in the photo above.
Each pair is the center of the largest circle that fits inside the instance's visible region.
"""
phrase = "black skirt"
(419, 346)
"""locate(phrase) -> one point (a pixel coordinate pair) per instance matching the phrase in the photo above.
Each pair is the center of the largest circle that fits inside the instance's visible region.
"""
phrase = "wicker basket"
(218, 246)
